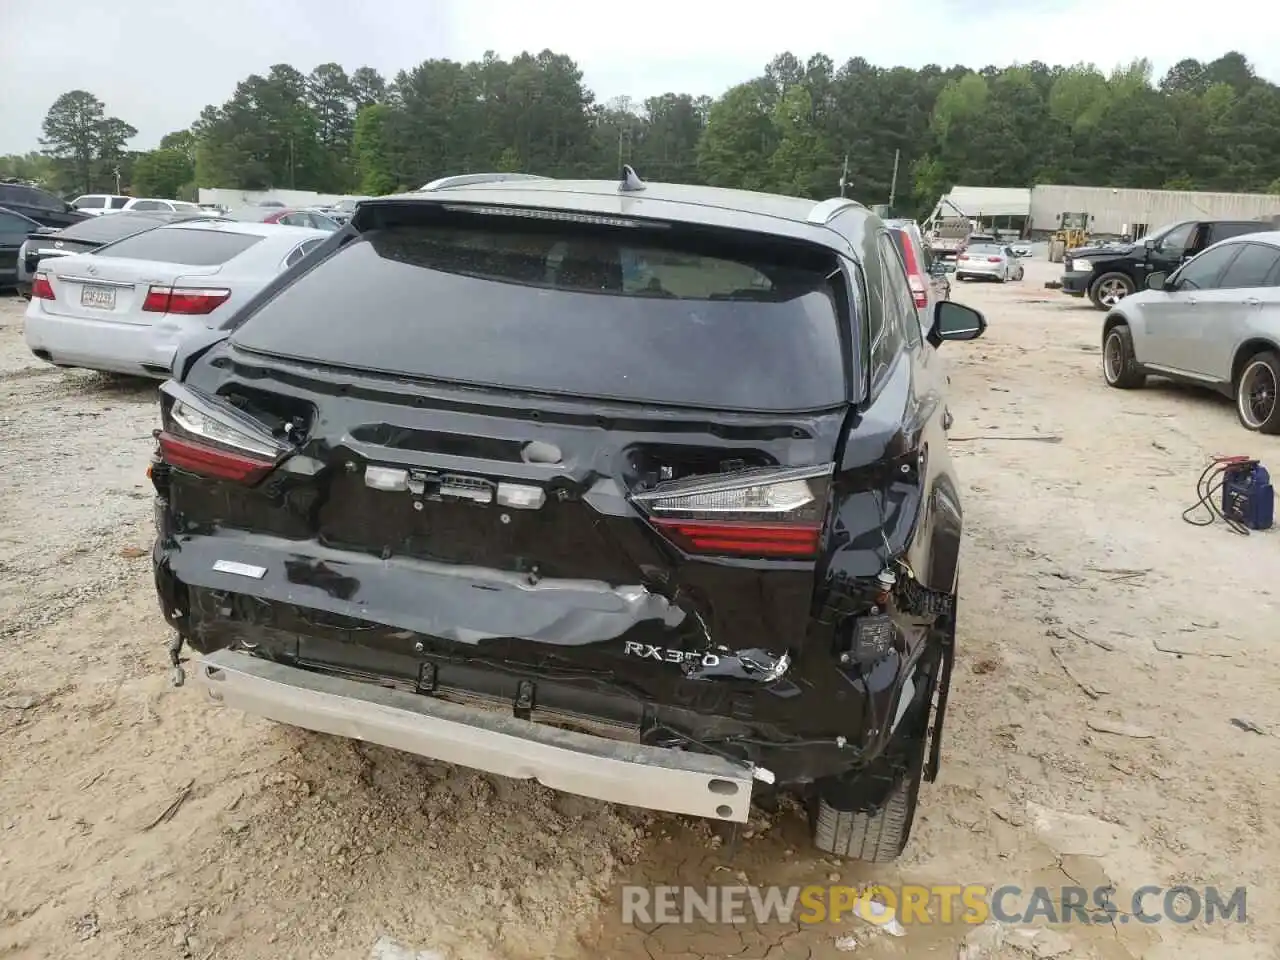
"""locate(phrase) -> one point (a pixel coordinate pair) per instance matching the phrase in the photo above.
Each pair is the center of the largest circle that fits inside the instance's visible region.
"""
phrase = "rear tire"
(1119, 363)
(880, 835)
(1257, 404)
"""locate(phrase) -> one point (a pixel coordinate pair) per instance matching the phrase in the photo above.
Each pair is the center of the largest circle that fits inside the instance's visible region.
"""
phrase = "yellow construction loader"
(1072, 232)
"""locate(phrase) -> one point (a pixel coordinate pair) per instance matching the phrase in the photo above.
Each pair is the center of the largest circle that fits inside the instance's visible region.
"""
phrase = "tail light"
(41, 288)
(199, 441)
(918, 292)
(764, 512)
(188, 301)
(994, 259)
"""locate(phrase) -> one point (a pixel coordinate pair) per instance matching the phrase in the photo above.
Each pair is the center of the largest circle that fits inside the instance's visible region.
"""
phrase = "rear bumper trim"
(655, 778)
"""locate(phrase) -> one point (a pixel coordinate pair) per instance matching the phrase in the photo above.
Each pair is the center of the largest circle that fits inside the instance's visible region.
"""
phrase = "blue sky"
(157, 65)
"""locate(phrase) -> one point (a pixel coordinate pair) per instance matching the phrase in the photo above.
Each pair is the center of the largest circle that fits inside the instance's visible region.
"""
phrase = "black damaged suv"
(639, 490)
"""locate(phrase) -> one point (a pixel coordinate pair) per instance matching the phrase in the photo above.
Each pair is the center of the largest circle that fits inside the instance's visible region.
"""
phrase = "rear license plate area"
(98, 298)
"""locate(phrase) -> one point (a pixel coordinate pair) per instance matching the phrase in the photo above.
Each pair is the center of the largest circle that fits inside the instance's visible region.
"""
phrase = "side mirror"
(1157, 280)
(1150, 244)
(954, 321)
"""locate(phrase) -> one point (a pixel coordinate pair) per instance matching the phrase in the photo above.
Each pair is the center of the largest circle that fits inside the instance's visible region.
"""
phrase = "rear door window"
(195, 248)
(628, 314)
(118, 202)
(13, 227)
(90, 203)
(1224, 231)
(1251, 267)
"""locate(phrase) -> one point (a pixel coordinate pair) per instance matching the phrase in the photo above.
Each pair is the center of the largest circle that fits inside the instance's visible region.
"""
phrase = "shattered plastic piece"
(847, 943)
(876, 913)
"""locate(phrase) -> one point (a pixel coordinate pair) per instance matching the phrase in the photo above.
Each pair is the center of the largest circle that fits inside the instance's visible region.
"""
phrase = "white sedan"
(125, 307)
(988, 261)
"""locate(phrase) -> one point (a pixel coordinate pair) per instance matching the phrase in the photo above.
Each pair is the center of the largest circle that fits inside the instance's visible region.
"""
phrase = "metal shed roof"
(990, 201)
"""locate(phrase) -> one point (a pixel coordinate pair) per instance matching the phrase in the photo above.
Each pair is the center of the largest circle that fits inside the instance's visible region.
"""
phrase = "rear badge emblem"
(666, 655)
(240, 569)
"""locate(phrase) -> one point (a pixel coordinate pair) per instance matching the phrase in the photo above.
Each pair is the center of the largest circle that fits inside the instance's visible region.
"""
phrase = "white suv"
(99, 203)
(153, 203)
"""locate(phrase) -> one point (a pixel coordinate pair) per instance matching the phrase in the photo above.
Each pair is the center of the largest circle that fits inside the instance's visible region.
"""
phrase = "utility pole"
(116, 171)
(844, 175)
(893, 184)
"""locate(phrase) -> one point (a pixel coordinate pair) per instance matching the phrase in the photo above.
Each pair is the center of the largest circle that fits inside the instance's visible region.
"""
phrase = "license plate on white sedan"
(99, 298)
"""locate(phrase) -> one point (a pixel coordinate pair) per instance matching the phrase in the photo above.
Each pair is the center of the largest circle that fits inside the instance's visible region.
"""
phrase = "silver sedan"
(1214, 322)
(988, 261)
(125, 307)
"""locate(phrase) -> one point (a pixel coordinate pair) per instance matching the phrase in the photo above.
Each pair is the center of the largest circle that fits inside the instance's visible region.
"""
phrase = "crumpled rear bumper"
(655, 778)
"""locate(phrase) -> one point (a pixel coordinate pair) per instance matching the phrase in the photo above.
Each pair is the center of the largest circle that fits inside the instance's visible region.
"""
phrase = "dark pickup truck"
(1107, 274)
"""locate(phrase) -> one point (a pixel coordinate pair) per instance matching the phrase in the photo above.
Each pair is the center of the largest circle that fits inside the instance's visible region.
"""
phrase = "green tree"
(84, 142)
(162, 173)
(737, 146)
(373, 150)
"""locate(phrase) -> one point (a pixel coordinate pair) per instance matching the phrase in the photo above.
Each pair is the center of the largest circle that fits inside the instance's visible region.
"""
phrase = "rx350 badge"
(648, 651)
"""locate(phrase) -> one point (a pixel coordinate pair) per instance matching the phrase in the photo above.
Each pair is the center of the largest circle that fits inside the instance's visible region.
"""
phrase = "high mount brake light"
(41, 288)
(765, 512)
(188, 301)
(210, 447)
(563, 216)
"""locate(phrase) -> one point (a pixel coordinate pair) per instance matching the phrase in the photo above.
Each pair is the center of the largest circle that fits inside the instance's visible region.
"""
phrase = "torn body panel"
(388, 574)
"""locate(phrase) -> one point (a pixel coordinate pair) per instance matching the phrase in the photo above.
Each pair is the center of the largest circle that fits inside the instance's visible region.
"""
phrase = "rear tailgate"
(559, 444)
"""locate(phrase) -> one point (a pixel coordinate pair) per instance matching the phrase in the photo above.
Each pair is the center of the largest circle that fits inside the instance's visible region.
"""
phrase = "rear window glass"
(620, 314)
(118, 202)
(195, 248)
(986, 249)
(85, 203)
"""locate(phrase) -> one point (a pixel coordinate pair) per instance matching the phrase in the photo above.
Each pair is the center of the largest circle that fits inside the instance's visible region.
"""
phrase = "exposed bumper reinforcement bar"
(655, 778)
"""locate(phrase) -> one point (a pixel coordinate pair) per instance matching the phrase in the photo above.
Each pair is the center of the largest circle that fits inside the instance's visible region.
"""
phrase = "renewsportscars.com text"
(939, 903)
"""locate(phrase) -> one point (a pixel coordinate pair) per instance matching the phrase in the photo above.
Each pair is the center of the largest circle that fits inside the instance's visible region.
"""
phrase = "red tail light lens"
(764, 512)
(743, 539)
(183, 453)
(187, 301)
(41, 288)
(918, 292)
(200, 443)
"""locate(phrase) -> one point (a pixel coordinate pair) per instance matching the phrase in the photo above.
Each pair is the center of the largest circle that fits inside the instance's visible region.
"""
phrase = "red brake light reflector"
(918, 292)
(41, 288)
(210, 461)
(743, 538)
(993, 259)
(187, 301)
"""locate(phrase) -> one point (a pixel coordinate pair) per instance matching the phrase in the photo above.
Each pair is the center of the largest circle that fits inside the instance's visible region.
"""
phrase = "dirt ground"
(137, 821)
